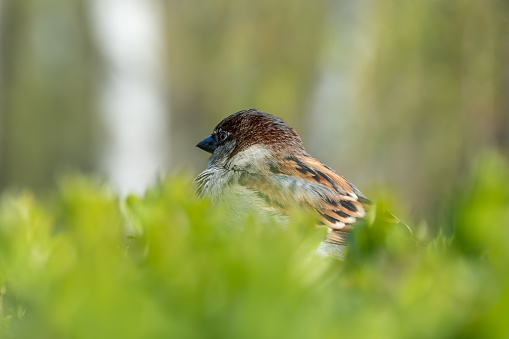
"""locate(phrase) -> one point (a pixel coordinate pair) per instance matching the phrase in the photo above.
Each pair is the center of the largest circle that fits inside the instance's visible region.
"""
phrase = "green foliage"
(85, 264)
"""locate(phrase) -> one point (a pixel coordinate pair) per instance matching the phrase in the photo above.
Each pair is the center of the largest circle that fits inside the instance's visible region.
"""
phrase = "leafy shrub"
(86, 264)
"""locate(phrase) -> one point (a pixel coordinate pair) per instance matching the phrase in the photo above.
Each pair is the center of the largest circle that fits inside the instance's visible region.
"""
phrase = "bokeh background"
(401, 97)
(408, 99)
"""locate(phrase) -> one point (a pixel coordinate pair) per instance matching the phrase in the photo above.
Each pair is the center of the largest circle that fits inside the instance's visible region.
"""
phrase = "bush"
(85, 264)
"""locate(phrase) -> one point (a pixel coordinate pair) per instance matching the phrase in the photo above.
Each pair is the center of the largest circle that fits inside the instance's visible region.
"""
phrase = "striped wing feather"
(304, 181)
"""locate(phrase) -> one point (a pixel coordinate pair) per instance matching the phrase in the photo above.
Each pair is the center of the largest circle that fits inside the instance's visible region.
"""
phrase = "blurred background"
(398, 96)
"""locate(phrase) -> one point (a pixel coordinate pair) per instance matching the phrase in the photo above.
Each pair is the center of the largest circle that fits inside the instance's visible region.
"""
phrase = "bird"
(259, 160)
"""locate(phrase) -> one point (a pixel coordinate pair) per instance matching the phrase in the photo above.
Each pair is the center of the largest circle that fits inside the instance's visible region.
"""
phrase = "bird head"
(254, 133)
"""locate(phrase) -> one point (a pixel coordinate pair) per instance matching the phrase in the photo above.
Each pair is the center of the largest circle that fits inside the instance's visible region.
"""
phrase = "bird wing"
(304, 181)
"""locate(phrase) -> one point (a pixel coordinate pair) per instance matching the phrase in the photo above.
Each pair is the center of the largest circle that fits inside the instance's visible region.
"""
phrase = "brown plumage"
(257, 157)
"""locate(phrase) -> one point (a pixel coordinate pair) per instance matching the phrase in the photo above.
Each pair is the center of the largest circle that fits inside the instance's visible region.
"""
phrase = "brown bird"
(258, 160)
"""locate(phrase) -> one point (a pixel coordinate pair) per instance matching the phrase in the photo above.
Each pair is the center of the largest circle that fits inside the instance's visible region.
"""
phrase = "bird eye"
(223, 135)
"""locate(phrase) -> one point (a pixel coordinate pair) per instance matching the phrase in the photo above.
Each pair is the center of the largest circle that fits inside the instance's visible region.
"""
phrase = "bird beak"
(208, 144)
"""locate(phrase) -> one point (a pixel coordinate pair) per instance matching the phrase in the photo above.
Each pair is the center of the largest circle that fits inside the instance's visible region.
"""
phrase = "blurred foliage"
(84, 264)
(431, 80)
(422, 95)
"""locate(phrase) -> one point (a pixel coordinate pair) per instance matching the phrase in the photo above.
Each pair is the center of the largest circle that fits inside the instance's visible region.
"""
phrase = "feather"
(304, 181)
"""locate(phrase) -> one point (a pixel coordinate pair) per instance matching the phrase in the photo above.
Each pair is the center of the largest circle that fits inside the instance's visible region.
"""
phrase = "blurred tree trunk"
(229, 55)
(47, 99)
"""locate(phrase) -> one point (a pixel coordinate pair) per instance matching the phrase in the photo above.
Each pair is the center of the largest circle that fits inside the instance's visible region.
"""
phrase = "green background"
(407, 99)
